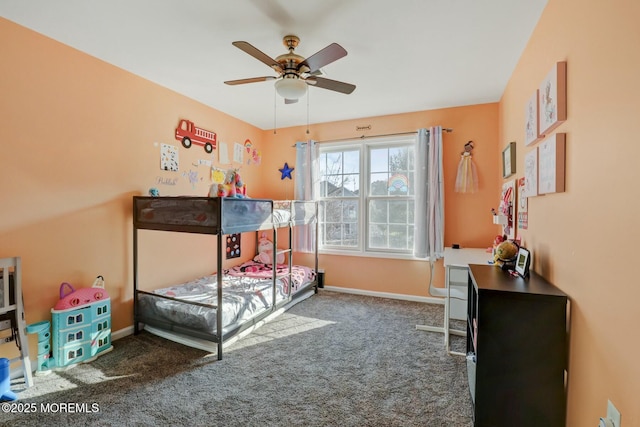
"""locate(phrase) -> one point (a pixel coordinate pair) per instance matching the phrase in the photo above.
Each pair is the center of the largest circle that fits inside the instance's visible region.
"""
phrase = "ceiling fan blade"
(290, 101)
(251, 80)
(335, 85)
(323, 57)
(258, 54)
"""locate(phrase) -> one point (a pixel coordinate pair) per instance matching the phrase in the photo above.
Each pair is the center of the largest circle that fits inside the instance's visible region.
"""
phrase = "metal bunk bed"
(220, 216)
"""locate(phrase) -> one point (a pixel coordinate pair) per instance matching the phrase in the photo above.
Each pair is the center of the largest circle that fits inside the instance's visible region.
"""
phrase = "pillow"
(265, 252)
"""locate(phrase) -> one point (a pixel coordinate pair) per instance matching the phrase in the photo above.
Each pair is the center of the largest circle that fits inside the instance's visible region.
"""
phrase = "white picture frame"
(523, 261)
(552, 99)
(551, 164)
(532, 124)
(531, 173)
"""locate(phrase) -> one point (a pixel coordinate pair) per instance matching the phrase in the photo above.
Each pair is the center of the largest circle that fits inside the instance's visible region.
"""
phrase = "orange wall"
(584, 240)
(78, 138)
(467, 216)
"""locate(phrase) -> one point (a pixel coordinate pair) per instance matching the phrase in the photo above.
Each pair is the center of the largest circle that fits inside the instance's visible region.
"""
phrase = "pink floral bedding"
(300, 275)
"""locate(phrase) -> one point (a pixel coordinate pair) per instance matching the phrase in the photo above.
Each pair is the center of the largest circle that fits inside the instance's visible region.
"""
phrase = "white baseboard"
(415, 298)
(121, 333)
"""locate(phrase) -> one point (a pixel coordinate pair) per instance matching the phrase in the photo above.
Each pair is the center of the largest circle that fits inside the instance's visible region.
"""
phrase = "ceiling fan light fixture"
(291, 88)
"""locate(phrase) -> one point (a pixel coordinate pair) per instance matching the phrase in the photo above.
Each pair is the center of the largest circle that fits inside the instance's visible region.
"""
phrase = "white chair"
(447, 293)
(456, 266)
(11, 267)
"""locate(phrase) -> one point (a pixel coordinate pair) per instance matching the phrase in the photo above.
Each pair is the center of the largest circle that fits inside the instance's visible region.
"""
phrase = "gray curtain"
(305, 189)
(429, 205)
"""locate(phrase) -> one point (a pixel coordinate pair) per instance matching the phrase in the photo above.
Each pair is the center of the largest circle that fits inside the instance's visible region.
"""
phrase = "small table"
(456, 268)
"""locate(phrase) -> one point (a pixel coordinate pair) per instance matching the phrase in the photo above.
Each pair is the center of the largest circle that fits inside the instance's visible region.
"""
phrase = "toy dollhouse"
(81, 323)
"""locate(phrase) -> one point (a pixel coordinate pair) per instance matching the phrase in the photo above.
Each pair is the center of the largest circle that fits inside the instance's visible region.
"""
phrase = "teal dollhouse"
(81, 327)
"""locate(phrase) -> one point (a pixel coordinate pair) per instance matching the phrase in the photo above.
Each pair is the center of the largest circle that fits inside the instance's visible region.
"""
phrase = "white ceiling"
(403, 55)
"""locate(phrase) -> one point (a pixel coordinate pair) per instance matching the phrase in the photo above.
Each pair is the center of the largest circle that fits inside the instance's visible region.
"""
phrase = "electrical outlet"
(613, 414)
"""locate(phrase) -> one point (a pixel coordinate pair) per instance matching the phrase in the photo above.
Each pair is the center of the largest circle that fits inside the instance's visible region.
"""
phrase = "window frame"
(364, 197)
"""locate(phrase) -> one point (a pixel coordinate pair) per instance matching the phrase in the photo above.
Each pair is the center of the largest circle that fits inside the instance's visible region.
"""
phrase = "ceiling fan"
(296, 72)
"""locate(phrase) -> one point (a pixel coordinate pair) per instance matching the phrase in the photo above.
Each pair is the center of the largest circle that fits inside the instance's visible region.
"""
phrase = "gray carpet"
(332, 360)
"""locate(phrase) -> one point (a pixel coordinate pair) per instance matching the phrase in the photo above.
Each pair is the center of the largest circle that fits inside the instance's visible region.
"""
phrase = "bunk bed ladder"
(12, 313)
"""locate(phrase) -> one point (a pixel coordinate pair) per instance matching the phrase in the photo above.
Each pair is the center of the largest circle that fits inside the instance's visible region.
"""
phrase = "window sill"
(359, 254)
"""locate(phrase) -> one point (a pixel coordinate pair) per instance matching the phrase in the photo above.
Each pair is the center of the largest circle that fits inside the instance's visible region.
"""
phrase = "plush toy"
(265, 252)
(505, 253)
(232, 186)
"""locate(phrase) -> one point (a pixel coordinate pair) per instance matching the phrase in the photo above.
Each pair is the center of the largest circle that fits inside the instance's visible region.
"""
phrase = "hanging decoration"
(398, 184)
(467, 178)
(286, 171)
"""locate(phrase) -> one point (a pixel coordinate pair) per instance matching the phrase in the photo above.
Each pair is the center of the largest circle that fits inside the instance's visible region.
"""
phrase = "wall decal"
(217, 175)
(286, 171)
(238, 152)
(161, 180)
(169, 158)
(223, 155)
(247, 145)
(398, 184)
(192, 176)
(255, 157)
(188, 134)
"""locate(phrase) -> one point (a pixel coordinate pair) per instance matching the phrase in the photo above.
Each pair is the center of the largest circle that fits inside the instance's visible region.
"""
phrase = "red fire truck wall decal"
(188, 134)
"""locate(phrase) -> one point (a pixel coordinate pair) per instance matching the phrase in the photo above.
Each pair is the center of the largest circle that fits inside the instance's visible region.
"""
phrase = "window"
(367, 196)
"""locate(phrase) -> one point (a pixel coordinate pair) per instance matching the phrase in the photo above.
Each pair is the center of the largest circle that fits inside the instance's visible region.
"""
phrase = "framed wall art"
(507, 208)
(552, 99)
(509, 160)
(551, 154)
(531, 127)
(531, 173)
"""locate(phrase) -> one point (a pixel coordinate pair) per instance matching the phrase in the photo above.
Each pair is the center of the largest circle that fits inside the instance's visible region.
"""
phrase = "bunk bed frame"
(220, 216)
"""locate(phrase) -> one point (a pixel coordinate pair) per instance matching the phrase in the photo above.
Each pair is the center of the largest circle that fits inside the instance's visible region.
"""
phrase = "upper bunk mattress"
(218, 215)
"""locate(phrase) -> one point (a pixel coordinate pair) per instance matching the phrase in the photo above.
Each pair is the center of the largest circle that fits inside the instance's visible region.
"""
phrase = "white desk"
(456, 268)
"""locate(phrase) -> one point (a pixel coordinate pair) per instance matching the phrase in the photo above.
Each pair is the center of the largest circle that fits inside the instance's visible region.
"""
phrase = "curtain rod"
(376, 136)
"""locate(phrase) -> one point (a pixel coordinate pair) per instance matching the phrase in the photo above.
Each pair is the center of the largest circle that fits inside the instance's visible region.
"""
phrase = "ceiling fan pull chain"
(308, 96)
(274, 111)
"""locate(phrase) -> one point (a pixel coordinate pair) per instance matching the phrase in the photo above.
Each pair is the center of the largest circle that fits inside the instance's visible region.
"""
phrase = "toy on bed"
(233, 186)
(265, 251)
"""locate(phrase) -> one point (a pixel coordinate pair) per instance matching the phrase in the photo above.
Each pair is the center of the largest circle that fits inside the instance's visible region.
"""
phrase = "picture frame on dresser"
(523, 261)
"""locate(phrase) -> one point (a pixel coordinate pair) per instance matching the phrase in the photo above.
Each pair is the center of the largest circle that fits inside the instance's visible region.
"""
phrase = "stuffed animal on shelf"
(233, 186)
(265, 251)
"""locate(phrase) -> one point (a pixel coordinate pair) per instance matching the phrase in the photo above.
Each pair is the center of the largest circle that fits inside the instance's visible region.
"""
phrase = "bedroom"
(73, 132)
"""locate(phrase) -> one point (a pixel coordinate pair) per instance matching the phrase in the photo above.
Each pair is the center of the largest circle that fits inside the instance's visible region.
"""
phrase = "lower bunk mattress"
(247, 291)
